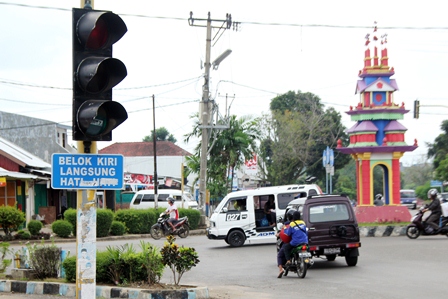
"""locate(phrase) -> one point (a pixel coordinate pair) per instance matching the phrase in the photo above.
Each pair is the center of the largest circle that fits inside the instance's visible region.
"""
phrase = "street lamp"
(205, 124)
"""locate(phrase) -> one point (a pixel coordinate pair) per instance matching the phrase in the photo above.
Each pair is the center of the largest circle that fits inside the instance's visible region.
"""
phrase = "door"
(234, 214)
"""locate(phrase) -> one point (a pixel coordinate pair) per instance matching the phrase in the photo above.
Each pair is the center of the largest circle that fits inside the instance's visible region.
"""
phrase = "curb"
(382, 231)
(69, 290)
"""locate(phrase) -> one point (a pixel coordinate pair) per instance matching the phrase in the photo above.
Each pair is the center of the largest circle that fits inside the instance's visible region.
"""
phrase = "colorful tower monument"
(377, 138)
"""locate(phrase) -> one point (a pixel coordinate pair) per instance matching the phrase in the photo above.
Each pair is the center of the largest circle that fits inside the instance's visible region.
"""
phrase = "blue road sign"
(86, 171)
(331, 162)
(436, 184)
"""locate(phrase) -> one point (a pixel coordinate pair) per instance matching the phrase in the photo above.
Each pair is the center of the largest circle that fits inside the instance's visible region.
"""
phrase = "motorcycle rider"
(435, 208)
(174, 213)
(281, 259)
(298, 233)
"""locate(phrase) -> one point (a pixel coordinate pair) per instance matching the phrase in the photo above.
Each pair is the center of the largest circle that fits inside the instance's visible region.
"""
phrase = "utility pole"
(205, 111)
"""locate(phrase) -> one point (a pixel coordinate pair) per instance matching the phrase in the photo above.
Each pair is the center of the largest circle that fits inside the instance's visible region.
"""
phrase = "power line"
(251, 22)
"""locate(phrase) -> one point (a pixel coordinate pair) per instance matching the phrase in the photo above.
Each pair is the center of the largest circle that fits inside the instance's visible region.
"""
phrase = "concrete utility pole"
(205, 111)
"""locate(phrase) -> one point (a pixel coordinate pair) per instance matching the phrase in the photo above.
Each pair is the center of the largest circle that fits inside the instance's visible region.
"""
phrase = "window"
(236, 204)
(324, 213)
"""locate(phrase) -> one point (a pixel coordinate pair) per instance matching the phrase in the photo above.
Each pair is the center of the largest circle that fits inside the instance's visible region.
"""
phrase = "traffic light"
(95, 73)
(416, 109)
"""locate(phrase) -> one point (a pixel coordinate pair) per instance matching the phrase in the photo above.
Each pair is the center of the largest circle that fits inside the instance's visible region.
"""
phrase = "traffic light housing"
(416, 109)
(95, 73)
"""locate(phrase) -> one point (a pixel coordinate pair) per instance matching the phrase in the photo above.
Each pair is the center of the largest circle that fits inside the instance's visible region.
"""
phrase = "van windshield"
(407, 194)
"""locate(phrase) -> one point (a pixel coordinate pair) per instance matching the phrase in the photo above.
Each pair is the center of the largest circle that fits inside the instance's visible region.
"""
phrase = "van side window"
(177, 197)
(284, 199)
(237, 204)
(138, 199)
(312, 192)
(148, 197)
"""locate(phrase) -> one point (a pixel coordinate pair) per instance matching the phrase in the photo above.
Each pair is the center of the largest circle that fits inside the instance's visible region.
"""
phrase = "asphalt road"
(389, 267)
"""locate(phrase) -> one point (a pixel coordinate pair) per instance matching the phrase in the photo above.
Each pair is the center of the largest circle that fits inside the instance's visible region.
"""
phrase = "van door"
(234, 214)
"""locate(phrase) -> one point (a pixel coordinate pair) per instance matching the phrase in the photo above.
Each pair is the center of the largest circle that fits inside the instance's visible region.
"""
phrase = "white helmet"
(432, 193)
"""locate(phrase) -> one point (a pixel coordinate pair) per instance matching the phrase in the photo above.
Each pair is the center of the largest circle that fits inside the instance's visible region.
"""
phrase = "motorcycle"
(162, 228)
(419, 227)
(301, 260)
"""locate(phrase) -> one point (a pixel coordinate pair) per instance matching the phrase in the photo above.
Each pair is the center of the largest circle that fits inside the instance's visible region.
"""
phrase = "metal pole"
(154, 142)
(205, 122)
(86, 224)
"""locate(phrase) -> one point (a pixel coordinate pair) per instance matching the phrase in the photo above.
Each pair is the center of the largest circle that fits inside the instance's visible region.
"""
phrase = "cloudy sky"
(312, 46)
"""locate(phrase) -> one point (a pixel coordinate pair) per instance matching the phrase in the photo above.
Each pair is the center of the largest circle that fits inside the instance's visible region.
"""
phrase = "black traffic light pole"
(95, 115)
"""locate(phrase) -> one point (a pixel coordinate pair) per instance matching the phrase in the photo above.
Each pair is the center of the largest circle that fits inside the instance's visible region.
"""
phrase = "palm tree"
(229, 149)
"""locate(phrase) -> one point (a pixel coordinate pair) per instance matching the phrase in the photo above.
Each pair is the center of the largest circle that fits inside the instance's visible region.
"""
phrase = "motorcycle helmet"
(296, 216)
(290, 214)
(432, 193)
(170, 199)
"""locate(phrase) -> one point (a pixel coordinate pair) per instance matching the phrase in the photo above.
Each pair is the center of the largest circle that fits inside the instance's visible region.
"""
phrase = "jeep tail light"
(353, 245)
(314, 248)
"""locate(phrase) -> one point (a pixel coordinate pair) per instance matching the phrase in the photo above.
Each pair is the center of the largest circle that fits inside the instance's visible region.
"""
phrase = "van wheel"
(236, 238)
(351, 260)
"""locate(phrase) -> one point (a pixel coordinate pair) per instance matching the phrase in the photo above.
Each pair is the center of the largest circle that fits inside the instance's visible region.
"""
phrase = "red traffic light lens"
(98, 36)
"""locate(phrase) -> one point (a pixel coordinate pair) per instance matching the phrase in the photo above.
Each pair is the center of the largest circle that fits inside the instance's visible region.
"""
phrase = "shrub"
(178, 259)
(4, 251)
(152, 262)
(10, 219)
(45, 260)
(70, 216)
(69, 265)
(23, 235)
(117, 228)
(137, 221)
(34, 227)
(104, 218)
(62, 228)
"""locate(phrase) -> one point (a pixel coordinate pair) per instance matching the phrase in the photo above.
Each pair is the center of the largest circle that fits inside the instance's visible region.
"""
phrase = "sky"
(311, 46)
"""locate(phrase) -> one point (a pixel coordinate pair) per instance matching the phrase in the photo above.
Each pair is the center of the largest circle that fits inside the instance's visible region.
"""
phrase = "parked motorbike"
(419, 227)
(162, 228)
(301, 260)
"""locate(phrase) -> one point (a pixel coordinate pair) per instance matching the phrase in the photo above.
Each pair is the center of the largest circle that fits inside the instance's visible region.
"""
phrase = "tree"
(295, 135)
(417, 175)
(228, 149)
(439, 151)
(162, 134)
(346, 180)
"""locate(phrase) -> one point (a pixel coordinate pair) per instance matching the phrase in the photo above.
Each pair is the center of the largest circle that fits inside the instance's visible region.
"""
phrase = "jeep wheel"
(236, 238)
(331, 257)
(351, 260)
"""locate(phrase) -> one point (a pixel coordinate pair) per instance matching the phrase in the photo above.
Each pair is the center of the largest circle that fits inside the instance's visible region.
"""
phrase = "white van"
(144, 199)
(240, 215)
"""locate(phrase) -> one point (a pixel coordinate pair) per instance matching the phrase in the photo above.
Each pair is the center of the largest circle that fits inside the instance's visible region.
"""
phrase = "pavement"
(69, 289)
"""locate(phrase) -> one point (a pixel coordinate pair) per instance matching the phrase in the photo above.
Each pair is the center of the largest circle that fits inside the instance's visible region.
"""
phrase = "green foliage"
(102, 267)
(162, 134)
(104, 218)
(69, 265)
(417, 175)
(4, 251)
(178, 259)
(45, 260)
(439, 151)
(70, 216)
(346, 180)
(34, 227)
(194, 216)
(10, 219)
(117, 228)
(62, 228)
(231, 147)
(23, 235)
(295, 135)
(137, 221)
(152, 262)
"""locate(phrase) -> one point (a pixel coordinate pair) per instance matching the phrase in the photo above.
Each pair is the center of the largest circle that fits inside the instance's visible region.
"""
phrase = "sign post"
(328, 163)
